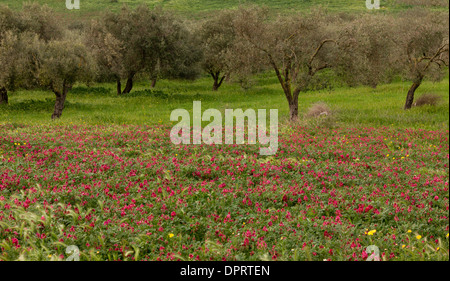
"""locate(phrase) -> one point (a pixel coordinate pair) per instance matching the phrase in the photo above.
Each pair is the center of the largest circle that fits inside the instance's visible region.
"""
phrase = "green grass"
(202, 8)
(99, 104)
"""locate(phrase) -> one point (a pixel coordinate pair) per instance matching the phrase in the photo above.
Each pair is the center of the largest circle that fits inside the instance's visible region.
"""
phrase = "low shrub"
(428, 99)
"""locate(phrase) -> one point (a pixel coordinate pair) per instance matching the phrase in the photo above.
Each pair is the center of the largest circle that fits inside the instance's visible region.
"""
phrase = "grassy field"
(99, 104)
(205, 8)
(107, 179)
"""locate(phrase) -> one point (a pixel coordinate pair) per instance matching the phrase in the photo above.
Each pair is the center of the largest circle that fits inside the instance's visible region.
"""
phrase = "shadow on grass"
(43, 105)
(82, 90)
(167, 96)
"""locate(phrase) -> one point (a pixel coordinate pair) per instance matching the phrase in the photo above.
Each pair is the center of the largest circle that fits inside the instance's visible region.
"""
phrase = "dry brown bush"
(318, 109)
(428, 99)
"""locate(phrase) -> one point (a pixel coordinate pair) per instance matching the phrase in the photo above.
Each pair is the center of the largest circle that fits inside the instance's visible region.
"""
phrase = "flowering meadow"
(127, 193)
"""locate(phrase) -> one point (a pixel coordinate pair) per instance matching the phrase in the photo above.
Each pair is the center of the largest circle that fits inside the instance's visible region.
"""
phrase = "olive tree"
(217, 37)
(366, 44)
(124, 44)
(18, 31)
(108, 52)
(8, 23)
(179, 53)
(296, 47)
(422, 41)
(41, 20)
(17, 61)
(140, 41)
(60, 64)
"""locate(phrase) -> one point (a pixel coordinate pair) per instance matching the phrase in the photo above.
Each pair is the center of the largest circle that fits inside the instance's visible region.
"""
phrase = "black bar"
(131, 271)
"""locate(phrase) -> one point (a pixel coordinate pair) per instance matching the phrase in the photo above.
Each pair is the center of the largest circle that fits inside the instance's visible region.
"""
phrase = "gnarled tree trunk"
(60, 99)
(3, 95)
(128, 86)
(217, 82)
(293, 108)
(410, 96)
(59, 104)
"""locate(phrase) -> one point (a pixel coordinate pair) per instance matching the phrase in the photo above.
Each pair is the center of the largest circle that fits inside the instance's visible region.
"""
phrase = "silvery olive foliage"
(306, 51)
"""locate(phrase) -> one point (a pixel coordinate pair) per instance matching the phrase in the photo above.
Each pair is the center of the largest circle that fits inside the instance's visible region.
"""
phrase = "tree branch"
(286, 90)
(441, 50)
(221, 80)
(319, 48)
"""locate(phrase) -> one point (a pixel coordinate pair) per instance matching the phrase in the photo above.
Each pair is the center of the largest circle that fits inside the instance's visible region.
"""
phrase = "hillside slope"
(204, 8)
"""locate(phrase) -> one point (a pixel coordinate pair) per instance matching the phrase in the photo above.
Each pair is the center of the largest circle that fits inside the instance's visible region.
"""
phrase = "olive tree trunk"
(293, 107)
(217, 80)
(291, 96)
(59, 103)
(128, 85)
(410, 97)
(3, 95)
